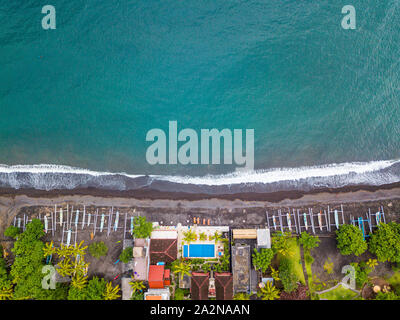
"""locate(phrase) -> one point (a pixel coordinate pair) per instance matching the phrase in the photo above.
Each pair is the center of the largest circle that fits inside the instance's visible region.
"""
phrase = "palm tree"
(189, 236)
(111, 292)
(217, 237)
(275, 274)
(268, 292)
(79, 281)
(6, 292)
(49, 249)
(66, 267)
(372, 263)
(64, 251)
(78, 249)
(181, 268)
(203, 236)
(137, 286)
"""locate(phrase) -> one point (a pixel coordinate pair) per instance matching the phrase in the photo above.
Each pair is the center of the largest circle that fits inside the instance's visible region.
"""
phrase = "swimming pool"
(199, 251)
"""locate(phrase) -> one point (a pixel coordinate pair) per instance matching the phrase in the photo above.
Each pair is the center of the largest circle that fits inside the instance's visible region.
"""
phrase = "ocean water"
(324, 102)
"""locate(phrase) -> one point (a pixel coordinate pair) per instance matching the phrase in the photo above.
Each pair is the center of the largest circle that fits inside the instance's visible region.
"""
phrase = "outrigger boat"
(378, 217)
(116, 221)
(88, 221)
(336, 219)
(61, 216)
(76, 217)
(320, 220)
(102, 222)
(274, 221)
(305, 220)
(46, 224)
(19, 223)
(131, 225)
(289, 221)
(69, 237)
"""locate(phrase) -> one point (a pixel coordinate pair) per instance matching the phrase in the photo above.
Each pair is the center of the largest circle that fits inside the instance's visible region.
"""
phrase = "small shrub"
(126, 255)
(98, 249)
(179, 294)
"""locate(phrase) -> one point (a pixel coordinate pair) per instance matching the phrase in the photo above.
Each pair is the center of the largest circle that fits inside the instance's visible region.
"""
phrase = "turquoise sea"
(85, 95)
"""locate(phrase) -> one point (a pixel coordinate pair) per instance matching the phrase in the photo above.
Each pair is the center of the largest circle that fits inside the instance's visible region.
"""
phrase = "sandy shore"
(11, 201)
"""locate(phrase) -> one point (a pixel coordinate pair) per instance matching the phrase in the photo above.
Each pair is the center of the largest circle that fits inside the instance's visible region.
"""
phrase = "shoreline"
(387, 190)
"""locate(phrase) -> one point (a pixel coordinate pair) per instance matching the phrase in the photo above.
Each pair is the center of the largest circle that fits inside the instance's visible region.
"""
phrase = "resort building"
(202, 243)
(159, 277)
(163, 246)
(224, 286)
(199, 285)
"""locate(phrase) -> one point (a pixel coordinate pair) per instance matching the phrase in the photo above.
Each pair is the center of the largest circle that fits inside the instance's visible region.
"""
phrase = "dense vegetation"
(141, 227)
(350, 240)
(385, 242)
(27, 277)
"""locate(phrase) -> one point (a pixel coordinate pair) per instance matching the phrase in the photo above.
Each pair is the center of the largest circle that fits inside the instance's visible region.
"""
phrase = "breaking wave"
(51, 177)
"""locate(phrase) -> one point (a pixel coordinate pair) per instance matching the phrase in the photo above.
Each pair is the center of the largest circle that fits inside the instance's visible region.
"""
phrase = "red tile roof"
(224, 286)
(199, 285)
(163, 250)
(156, 273)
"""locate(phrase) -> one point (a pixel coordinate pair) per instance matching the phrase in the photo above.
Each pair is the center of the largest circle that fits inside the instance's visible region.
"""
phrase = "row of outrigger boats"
(306, 220)
(289, 220)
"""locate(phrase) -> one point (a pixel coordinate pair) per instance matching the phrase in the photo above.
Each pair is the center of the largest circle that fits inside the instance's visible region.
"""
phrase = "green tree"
(202, 236)
(6, 287)
(137, 286)
(96, 289)
(141, 227)
(280, 243)
(262, 259)
(12, 232)
(268, 292)
(350, 240)
(49, 249)
(26, 271)
(181, 267)
(98, 249)
(126, 255)
(308, 241)
(111, 293)
(189, 236)
(79, 281)
(217, 237)
(385, 242)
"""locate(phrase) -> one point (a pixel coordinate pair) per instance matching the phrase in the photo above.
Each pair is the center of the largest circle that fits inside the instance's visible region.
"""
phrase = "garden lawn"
(339, 293)
(308, 269)
(296, 259)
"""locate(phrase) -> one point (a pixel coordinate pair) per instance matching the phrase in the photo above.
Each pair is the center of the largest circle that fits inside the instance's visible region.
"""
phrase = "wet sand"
(12, 201)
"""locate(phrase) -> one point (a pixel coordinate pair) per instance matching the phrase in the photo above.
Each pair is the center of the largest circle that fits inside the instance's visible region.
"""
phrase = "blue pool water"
(199, 251)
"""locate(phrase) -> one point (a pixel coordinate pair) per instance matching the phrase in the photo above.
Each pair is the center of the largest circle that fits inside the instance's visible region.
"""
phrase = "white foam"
(283, 174)
(52, 168)
(36, 172)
